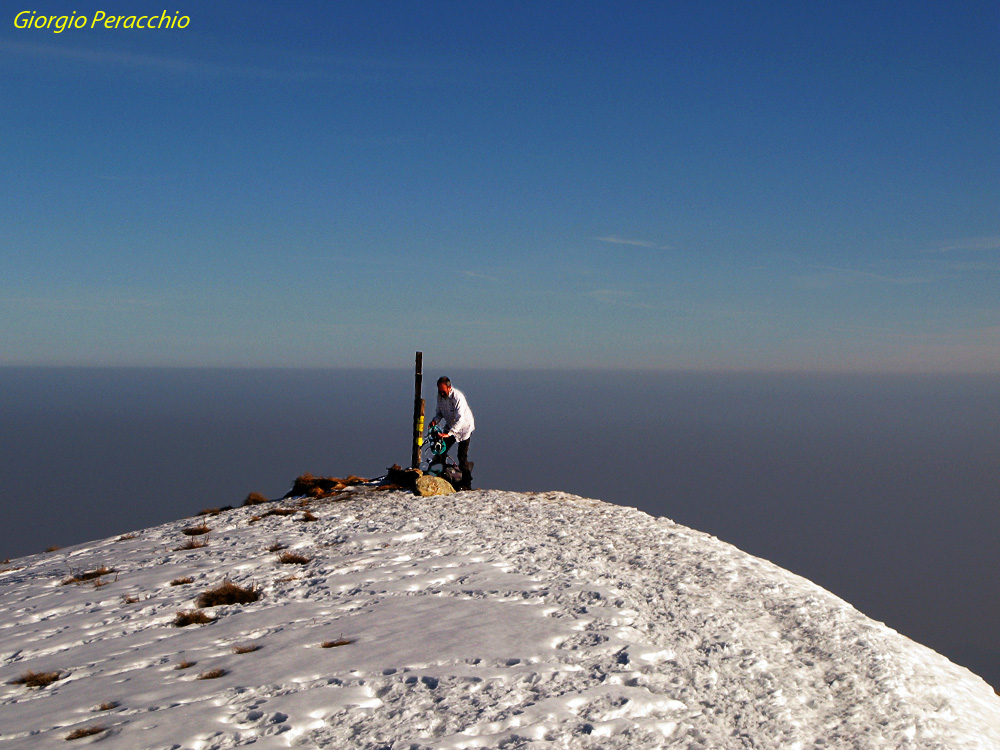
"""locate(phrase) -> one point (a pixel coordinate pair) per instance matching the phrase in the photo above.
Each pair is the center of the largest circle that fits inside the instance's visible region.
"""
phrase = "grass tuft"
(191, 544)
(228, 593)
(185, 664)
(193, 617)
(37, 679)
(247, 648)
(108, 706)
(212, 674)
(274, 512)
(255, 498)
(317, 487)
(337, 643)
(291, 558)
(308, 516)
(90, 576)
(182, 581)
(202, 528)
(82, 732)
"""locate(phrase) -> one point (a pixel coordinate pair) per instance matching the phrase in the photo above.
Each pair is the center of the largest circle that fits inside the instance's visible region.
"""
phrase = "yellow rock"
(428, 485)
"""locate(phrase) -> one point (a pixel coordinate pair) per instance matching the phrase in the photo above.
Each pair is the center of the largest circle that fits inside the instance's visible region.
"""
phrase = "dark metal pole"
(418, 411)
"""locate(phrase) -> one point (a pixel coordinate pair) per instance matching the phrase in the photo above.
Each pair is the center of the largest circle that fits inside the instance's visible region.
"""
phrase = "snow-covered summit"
(486, 619)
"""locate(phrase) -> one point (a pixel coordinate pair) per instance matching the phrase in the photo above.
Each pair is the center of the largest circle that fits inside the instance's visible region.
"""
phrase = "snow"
(484, 619)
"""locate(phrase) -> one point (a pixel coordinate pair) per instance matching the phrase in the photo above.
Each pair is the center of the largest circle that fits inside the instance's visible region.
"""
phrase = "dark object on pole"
(418, 411)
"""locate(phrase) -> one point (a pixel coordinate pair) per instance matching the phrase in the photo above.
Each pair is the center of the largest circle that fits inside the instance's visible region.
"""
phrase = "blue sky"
(662, 185)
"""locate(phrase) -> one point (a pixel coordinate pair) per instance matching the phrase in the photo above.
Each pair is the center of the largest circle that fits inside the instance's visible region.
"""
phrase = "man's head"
(444, 387)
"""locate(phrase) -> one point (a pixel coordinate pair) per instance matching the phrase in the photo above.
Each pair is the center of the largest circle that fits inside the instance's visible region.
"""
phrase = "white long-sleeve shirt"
(455, 411)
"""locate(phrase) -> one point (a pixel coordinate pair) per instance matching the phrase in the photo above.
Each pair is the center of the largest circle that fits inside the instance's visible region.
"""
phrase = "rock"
(405, 478)
(428, 485)
(312, 486)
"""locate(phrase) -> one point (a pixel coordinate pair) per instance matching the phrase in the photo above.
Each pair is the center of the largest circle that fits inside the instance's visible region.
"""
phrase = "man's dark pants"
(463, 460)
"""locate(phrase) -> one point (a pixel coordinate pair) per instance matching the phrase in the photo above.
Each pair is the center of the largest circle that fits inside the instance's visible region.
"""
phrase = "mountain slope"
(481, 620)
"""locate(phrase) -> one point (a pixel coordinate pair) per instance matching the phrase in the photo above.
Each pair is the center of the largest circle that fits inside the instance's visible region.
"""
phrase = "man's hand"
(443, 435)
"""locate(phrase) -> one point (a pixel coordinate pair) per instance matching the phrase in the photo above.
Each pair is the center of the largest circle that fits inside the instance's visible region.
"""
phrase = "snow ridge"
(485, 619)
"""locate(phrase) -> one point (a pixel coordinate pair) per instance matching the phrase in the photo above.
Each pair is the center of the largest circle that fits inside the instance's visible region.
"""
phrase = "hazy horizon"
(879, 488)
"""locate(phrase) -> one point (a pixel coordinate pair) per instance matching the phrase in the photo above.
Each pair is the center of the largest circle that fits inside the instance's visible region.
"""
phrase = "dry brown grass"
(317, 487)
(400, 479)
(191, 544)
(82, 732)
(196, 530)
(185, 664)
(90, 576)
(247, 648)
(337, 643)
(228, 593)
(126, 537)
(275, 512)
(255, 498)
(208, 512)
(182, 581)
(53, 548)
(130, 599)
(212, 674)
(276, 547)
(308, 516)
(291, 558)
(108, 706)
(192, 617)
(37, 679)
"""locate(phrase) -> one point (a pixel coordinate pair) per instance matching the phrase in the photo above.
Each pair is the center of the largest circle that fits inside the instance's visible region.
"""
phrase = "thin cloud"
(609, 296)
(830, 275)
(301, 68)
(634, 243)
(86, 303)
(160, 63)
(977, 267)
(622, 298)
(972, 243)
(99, 56)
(483, 276)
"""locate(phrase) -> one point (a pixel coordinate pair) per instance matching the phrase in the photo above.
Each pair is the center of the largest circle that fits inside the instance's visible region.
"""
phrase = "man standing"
(459, 424)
